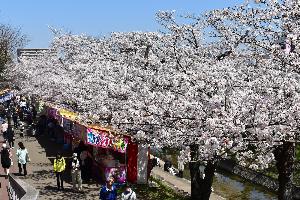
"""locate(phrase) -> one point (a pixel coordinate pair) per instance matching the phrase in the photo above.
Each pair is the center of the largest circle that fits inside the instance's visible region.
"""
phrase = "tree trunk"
(196, 178)
(284, 156)
(196, 181)
(200, 188)
(208, 180)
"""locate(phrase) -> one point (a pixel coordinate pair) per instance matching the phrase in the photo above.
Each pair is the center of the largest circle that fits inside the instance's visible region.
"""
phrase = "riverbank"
(180, 185)
(226, 183)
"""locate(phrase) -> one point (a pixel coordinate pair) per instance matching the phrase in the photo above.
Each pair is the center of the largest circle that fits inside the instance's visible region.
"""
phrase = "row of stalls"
(114, 155)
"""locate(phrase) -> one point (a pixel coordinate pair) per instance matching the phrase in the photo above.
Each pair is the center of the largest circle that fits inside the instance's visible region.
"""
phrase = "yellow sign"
(68, 114)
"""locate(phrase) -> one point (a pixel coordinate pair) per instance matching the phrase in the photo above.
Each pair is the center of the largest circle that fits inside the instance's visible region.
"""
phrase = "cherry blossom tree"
(166, 89)
(267, 33)
(159, 86)
(219, 83)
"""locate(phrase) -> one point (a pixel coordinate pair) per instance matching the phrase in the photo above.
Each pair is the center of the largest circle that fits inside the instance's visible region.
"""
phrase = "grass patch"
(162, 192)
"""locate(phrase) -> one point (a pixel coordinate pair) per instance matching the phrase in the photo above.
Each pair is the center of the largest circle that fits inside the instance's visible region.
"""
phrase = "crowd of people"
(13, 115)
(20, 112)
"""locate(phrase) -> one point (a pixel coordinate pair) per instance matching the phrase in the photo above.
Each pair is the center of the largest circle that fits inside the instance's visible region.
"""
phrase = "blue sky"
(93, 17)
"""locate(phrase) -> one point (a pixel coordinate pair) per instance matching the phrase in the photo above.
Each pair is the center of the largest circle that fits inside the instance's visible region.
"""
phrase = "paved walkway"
(3, 181)
(177, 183)
(42, 152)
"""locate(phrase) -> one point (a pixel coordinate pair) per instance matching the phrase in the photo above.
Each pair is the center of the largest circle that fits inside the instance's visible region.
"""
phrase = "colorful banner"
(120, 144)
(118, 173)
(98, 138)
(105, 140)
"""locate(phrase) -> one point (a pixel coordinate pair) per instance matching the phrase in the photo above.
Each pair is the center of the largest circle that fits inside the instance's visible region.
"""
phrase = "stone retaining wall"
(20, 190)
(253, 176)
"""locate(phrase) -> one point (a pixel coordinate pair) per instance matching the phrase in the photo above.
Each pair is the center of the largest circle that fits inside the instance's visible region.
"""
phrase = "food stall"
(109, 153)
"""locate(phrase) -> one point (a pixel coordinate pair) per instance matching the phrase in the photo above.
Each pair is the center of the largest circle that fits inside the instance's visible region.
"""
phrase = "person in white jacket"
(76, 173)
(128, 194)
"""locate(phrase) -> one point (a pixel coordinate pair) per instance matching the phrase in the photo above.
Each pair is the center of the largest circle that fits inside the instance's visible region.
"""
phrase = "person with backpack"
(6, 159)
(23, 158)
(76, 172)
(59, 166)
(128, 194)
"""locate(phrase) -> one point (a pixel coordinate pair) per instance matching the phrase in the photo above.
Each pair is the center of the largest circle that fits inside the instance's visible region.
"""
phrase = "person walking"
(76, 173)
(5, 159)
(180, 166)
(15, 119)
(23, 158)
(86, 165)
(10, 137)
(128, 194)
(59, 167)
(109, 191)
(21, 114)
(34, 112)
(22, 129)
(29, 118)
(4, 127)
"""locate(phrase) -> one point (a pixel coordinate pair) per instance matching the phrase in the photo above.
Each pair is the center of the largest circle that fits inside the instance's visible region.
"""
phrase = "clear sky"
(93, 17)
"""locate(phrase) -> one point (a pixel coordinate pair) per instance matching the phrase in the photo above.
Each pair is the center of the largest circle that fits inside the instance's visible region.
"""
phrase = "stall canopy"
(68, 114)
(6, 95)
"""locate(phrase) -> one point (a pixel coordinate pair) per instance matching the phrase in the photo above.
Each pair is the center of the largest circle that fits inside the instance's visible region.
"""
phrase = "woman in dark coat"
(10, 137)
(5, 159)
